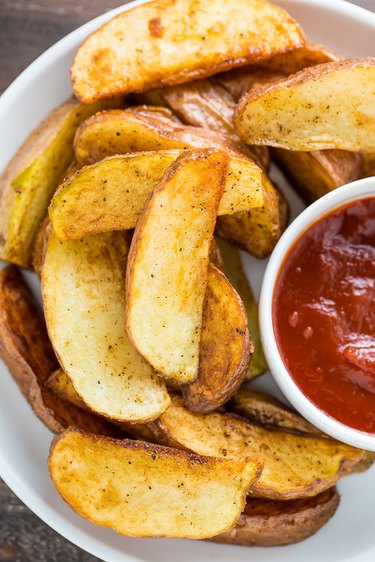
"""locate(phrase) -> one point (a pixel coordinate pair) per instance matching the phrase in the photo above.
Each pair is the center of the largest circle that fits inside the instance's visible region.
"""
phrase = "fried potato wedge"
(28, 354)
(40, 245)
(225, 347)
(310, 54)
(108, 63)
(139, 129)
(31, 177)
(144, 490)
(314, 109)
(267, 411)
(84, 302)
(111, 194)
(316, 173)
(278, 523)
(257, 231)
(168, 261)
(237, 277)
(295, 466)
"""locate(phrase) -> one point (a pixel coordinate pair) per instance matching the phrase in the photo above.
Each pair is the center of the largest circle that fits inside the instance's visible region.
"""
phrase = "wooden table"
(27, 29)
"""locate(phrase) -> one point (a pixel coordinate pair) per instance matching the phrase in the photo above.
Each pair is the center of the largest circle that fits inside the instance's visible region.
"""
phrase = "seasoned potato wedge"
(315, 109)
(145, 37)
(234, 271)
(316, 173)
(310, 54)
(143, 490)
(139, 129)
(84, 302)
(111, 194)
(168, 261)
(31, 177)
(258, 230)
(225, 347)
(295, 466)
(28, 354)
(267, 411)
(277, 523)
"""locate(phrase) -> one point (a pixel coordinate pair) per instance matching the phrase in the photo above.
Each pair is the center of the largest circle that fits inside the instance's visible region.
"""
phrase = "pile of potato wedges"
(131, 202)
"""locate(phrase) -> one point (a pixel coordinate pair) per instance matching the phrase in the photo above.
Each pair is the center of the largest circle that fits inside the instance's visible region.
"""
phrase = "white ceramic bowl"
(25, 442)
(346, 194)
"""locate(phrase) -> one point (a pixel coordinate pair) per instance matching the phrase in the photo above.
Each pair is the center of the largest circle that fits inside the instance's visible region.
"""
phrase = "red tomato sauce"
(324, 314)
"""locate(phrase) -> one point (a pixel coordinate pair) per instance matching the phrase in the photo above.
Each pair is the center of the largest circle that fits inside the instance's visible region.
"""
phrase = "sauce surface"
(324, 314)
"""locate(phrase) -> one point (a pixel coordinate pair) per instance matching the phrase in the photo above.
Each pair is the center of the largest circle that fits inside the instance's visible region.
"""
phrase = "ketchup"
(324, 314)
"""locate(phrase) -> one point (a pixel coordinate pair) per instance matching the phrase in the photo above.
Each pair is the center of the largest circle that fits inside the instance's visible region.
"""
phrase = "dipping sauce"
(324, 314)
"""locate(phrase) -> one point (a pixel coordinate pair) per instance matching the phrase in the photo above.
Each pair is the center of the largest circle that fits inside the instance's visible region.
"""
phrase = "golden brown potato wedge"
(315, 109)
(31, 177)
(368, 164)
(140, 129)
(310, 54)
(40, 245)
(234, 271)
(145, 37)
(316, 173)
(265, 410)
(28, 354)
(168, 262)
(295, 466)
(225, 346)
(84, 302)
(257, 231)
(111, 194)
(277, 523)
(143, 490)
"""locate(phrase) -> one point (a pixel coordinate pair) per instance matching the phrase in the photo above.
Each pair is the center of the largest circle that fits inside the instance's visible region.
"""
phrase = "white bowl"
(25, 442)
(345, 194)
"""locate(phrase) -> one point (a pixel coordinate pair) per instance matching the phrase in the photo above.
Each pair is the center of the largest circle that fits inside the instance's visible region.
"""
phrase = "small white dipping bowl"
(333, 200)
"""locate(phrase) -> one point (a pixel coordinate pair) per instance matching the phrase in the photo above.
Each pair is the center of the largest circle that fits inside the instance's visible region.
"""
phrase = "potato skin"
(206, 44)
(225, 346)
(276, 523)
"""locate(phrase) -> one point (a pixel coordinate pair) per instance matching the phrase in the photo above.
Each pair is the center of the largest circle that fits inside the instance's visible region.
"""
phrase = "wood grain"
(27, 28)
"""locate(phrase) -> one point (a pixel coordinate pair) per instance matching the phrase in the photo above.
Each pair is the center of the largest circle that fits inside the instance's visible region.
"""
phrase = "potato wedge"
(83, 296)
(368, 164)
(40, 245)
(111, 194)
(109, 61)
(31, 177)
(234, 271)
(278, 523)
(257, 231)
(265, 410)
(140, 129)
(295, 466)
(143, 490)
(316, 173)
(314, 109)
(225, 347)
(61, 385)
(168, 262)
(310, 54)
(28, 354)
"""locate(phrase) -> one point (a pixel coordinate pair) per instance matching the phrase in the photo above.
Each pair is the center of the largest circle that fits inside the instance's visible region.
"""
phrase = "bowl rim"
(348, 193)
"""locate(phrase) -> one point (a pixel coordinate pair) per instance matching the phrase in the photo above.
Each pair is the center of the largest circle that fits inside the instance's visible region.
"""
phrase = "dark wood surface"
(27, 28)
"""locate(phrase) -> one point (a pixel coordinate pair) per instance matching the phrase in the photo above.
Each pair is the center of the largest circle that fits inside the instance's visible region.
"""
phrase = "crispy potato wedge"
(234, 271)
(278, 523)
(168, 262)
(140, 129)
(31, 177)
(61, 385)
(267, 411)
(316, 173)
(368, 164)
(258, 230)
(109, 61)
(40, 245)
(144, 490)
(28, 354)
(315, 109)
(295, 466)
(84, 302)
(111, 194)
(225, 347)
(310, 54)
